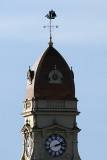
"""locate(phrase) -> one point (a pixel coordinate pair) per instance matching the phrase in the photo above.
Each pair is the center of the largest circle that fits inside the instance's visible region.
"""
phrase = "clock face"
(28, 146)
(55, 145)
(54, 76)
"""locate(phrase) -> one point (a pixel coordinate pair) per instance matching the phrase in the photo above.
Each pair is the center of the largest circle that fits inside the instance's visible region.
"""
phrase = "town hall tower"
(50, 129)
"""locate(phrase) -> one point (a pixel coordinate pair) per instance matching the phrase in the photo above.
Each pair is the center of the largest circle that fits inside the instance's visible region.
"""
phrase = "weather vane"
(51, 15)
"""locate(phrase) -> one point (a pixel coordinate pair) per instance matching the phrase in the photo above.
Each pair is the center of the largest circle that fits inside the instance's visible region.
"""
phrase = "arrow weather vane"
(51, 15)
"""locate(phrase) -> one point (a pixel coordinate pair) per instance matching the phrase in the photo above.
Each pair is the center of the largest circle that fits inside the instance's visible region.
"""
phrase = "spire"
(51, 15)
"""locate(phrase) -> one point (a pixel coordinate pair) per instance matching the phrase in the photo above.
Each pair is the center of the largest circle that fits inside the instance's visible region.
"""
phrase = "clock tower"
(50, 130)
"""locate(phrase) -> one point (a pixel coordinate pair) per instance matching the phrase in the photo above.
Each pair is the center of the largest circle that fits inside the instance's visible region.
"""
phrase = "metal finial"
(51, 15)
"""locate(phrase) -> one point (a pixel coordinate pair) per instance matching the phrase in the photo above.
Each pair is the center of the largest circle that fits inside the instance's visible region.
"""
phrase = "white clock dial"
(55, 145)
(28, 146)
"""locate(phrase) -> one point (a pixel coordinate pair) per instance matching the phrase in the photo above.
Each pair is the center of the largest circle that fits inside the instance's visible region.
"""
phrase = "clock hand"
(57, 144)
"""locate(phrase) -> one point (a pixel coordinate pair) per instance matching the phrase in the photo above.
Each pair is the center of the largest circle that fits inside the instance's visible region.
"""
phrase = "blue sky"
(81, 39)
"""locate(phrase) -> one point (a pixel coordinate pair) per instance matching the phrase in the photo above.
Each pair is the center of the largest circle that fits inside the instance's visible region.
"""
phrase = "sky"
(81, 39)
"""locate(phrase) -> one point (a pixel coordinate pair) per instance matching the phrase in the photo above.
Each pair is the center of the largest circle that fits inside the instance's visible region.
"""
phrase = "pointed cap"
(53, 79)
